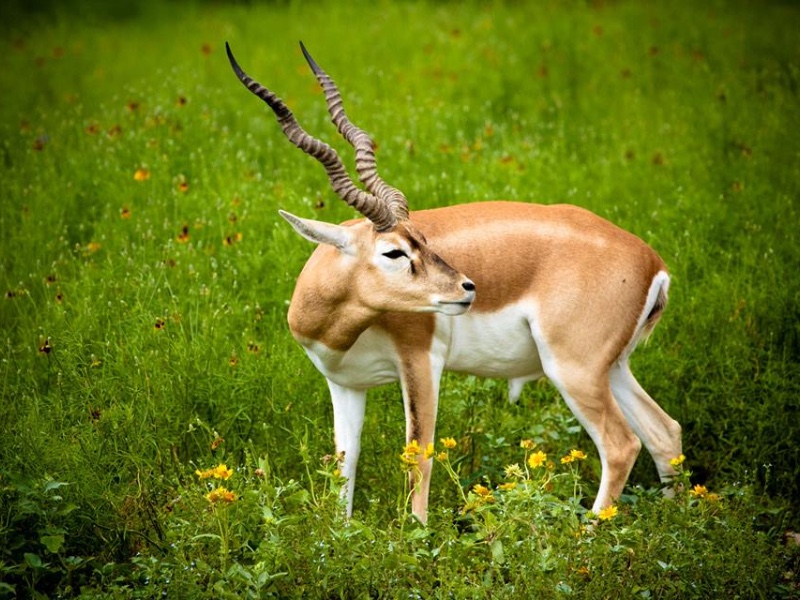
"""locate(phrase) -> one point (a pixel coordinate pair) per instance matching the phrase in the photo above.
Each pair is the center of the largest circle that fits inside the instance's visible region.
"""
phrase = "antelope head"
(384, 261)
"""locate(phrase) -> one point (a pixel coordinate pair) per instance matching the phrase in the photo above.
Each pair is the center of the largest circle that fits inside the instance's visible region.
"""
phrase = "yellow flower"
(577, 454)
(410, 455)
(448, 443)
(441, 457)
(483, 493)
(608, 513)
(677, 461)
(572, 457)
(537, 459)
(141, 175)
(220, 494)
(412, 448)
(712, 497)
(507, 487)
(527, 444)
(221, 471)
(481, 490)
(428, 451)
(698, 491)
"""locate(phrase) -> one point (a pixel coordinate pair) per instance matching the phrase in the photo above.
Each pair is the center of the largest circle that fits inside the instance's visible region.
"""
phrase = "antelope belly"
(494, 344)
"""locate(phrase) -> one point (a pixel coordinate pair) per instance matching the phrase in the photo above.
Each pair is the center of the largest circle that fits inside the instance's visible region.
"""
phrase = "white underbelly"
(496, 344)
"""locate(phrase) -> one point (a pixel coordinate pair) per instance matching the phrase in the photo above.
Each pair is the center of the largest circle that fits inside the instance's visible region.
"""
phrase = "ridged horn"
(366, 203)
(366, 165)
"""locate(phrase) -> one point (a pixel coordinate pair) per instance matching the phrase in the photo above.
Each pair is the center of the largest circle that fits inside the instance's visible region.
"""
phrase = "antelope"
(509, 290)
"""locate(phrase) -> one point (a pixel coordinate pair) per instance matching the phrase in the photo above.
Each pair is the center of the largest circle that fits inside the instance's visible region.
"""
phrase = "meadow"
(161, 433)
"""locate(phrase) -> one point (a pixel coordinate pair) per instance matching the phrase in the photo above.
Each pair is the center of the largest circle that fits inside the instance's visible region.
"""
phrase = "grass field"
(146, 276)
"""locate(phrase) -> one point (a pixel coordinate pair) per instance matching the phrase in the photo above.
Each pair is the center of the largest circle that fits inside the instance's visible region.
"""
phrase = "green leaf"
(54, 485)
(33, 560)
(497, 552)
(53, 543)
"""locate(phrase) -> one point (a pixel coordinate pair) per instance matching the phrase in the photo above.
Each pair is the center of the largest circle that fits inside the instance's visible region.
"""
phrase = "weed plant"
(162, 435)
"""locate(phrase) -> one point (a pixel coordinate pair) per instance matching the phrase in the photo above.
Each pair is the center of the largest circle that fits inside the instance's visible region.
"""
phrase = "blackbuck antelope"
(496, 289)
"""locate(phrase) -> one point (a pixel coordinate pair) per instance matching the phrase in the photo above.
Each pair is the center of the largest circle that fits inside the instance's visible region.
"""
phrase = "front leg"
(348, 419)
(420, 383)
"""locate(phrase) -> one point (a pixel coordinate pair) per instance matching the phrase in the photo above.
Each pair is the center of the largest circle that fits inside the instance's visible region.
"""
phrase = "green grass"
(674, 120)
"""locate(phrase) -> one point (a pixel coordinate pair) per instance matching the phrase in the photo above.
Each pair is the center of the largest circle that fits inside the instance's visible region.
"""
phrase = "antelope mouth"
(454, 307)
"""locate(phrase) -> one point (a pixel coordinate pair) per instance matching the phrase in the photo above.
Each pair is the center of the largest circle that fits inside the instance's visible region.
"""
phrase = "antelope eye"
(394, 254)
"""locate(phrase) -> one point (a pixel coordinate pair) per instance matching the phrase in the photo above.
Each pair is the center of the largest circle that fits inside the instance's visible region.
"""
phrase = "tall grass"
(146, 279)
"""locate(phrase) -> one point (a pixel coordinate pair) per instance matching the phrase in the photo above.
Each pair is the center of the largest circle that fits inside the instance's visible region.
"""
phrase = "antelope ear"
(320, 232)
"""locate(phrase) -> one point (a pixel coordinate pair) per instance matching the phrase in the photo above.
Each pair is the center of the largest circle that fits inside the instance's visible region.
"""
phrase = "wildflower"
(572, 457)
(141, 174)
(712, 497)
(93, 247)
(183, 236)
(160, 324)
(537, 459)
(428, 451)
(221, 471)
(410, 455)
(527, 444)
(583, 570)
(448, 443)
(125, 213)
(698, 491)
(514, 471)
(608, 513)
(132, 106)
(441, 457)
(259, 472)
(483, 493)
(508, 486)
(481, 490)
(218, 441)
(677, 461)
(92, 129)
(411, 448)
(183, 186)
(230, 240)
(220, 494)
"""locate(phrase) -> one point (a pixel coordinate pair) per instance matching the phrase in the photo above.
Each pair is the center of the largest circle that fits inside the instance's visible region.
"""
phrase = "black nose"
(468, 286)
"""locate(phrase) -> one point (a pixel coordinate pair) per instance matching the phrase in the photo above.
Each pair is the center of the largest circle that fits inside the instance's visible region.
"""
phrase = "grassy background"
(144, 319)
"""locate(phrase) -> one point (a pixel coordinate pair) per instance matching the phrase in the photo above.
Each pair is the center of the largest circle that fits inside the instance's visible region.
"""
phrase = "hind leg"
(588, 395)
(659, 432)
